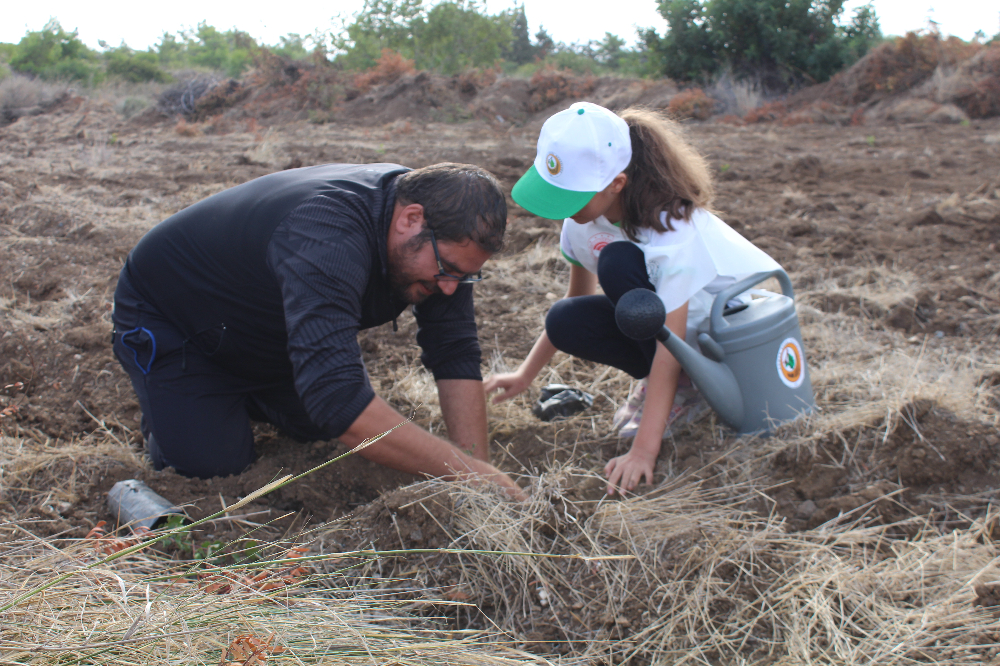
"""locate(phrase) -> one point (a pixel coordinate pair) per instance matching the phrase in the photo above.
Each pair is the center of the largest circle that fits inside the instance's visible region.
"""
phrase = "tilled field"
(891, 235)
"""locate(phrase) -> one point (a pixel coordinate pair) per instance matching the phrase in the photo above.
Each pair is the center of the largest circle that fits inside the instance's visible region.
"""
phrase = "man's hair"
(461, 202)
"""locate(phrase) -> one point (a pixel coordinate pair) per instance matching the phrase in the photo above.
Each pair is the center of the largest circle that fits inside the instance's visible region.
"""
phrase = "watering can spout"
(640, 315)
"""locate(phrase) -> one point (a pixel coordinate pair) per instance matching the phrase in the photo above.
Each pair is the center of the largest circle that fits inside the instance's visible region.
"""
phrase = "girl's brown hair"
(666, 174)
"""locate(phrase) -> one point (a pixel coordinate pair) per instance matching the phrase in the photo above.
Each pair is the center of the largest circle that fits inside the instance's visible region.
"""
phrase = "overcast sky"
(141, 24)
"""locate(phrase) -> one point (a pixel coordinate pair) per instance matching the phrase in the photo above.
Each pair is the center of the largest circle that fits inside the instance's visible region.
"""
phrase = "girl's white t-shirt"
(690, 264)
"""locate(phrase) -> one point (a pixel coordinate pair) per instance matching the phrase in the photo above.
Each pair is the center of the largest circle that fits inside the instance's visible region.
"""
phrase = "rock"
(806, 510)
(948, 114)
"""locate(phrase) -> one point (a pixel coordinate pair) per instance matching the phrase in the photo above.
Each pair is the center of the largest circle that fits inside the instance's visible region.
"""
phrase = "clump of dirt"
(888, 467)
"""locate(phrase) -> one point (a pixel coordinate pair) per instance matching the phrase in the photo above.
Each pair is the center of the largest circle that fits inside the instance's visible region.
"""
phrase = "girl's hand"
(512, 383)
(625, 472)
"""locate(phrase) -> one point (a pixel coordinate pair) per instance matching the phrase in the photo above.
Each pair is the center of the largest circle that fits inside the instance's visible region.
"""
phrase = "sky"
(141, 24)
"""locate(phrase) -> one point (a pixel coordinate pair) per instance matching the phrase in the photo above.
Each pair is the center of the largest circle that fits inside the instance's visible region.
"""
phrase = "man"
(246, 306)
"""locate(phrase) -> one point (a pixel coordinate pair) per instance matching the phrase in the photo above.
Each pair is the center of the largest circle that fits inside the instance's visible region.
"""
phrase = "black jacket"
(274, 278)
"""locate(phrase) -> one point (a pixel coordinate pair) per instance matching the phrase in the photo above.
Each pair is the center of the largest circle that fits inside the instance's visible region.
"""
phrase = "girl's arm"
(625, 472)
(581, 283)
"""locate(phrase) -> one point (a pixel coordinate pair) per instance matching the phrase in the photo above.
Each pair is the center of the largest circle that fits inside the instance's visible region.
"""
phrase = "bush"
(389, 67)
(550, 86)
(53, 53)
(136, 67)
(691, 103)
(132, 106)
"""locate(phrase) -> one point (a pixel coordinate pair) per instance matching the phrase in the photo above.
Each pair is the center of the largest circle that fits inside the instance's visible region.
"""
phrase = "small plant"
(180, 542)
(724, 168)
(870, 140)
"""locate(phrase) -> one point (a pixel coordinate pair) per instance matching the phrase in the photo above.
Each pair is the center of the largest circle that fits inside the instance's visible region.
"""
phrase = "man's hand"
(512, 384)
(412, 449)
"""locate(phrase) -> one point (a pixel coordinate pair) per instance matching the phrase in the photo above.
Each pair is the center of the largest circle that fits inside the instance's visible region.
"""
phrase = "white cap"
(580, 151)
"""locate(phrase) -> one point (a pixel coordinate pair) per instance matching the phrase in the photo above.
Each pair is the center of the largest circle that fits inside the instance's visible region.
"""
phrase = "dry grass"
(147, 609)
(699, 578)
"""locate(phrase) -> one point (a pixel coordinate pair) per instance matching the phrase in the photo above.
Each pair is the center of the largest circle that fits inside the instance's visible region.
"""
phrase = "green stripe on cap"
(543, 199)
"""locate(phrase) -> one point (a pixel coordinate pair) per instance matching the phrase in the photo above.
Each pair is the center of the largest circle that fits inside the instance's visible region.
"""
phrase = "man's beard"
(407, 287)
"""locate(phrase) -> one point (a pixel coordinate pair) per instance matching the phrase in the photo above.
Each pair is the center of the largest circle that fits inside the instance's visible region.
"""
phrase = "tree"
(544, 44)
(134, 66)
(455, 36)
(520, 49)
(780, 43)
(53, 53)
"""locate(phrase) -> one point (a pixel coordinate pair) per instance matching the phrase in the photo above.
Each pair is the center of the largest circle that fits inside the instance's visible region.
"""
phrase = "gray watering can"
(752, 370)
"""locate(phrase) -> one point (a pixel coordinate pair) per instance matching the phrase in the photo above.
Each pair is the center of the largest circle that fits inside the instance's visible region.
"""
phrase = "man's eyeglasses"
(442, 275)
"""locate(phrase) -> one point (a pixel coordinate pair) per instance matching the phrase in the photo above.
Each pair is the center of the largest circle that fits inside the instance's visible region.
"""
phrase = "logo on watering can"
(791, 363)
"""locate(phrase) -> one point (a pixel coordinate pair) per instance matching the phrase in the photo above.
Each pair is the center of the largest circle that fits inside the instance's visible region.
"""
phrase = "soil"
(839, 207)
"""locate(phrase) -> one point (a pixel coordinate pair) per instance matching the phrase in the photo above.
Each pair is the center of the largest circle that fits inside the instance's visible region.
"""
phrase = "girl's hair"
(666, 174)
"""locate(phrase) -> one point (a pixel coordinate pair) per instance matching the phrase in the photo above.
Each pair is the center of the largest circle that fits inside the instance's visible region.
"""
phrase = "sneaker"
(689, 406)
(632, 406)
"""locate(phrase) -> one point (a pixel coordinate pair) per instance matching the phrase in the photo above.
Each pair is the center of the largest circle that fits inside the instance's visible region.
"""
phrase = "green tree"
(381, 24)
(544, 44)
(861, 35)
(53, 53)
(455, 36)
(207, 47)
(778, 42)
(134, 66)
(520, 49)
(291, 46)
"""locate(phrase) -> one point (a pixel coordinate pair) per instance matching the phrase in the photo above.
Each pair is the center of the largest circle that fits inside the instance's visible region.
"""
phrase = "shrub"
(472, 80)
(132, 106)
(53, 53)
(136, 67)
(691, 103)
(550, 86)
(767, 113)
(389, 67)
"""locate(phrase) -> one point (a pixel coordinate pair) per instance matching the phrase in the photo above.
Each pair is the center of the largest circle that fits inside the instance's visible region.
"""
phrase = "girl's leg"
(622, 268)
(584, 326)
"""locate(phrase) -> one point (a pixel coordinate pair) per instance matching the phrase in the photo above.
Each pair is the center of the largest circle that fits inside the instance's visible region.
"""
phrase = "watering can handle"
(727, 294)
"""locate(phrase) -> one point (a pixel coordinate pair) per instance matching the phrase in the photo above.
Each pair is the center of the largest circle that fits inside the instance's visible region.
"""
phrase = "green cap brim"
(543, 199)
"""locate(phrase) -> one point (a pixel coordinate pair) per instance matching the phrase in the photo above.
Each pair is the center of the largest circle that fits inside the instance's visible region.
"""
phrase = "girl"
(634, 196)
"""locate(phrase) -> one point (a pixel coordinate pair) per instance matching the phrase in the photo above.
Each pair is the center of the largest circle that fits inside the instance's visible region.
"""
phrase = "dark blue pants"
(584, 326)
(195, 415)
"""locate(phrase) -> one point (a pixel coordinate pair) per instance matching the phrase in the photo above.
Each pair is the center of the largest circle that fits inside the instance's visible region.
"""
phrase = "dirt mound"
(888, 466)
(916, 78)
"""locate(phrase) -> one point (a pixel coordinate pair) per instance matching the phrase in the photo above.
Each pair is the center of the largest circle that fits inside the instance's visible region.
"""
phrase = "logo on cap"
(553, 164)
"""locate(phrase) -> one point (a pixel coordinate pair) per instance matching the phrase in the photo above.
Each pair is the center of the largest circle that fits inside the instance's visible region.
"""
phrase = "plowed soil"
(843, 209)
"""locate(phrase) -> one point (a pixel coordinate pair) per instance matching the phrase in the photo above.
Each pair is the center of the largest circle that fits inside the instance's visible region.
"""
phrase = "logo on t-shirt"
(599, 241)
(791, 364)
